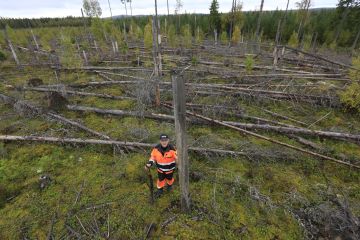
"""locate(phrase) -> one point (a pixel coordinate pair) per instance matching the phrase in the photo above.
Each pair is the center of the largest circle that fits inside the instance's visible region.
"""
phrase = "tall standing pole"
(8, 41)
(259, 21)
(157, 55)
(178, 85)
(167, 1)
(131, 7)
(110, 9)
(232, 20)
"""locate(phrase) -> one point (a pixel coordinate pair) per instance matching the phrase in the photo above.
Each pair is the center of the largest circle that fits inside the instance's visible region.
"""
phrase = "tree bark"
(270, 139)
(8, 41)
(12, 101)
(288, 129)
(100, 95)
(355, 41)
(181, 138)
(129, 145)
(320, 57)
(116, 112)
(259, 22)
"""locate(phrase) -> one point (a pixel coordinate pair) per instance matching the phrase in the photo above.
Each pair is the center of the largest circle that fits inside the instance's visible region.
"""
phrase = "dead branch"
(319, 57)
(120, 112)
(268, 139)
(296, 130)
(283, 128)
(70, 92)
(110, 142)
(41, 112)
(305, 142)
(285, 117)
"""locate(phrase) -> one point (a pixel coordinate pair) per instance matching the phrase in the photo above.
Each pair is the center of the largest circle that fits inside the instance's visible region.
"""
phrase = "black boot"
(158, 193)
(169, 188)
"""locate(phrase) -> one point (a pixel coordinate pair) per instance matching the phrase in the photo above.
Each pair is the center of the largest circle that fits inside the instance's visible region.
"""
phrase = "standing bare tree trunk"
(126, 12)
(283, 21)
(131, 8)
(110, 9)
(8, 41)
(124, 22)
(314, 40)
(343, 18)
(157, 55)
(232, 19)
(304, 6)
(34, 38)
(259, 22)
(181, 141)
(275, 53)
(355, 41)
(167, 2)
(215, 36)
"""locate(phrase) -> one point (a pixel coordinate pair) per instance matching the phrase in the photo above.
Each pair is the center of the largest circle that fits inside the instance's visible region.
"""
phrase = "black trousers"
(165, 177)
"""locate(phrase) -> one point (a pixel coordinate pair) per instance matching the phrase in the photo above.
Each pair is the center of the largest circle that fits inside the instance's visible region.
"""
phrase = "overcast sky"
(63, 8)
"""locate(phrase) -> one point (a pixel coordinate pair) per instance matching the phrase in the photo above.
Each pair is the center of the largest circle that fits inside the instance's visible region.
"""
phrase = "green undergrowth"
(222, 206)
(233, 197)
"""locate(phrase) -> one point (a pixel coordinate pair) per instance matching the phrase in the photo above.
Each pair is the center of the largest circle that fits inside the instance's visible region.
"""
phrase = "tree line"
(336, 27)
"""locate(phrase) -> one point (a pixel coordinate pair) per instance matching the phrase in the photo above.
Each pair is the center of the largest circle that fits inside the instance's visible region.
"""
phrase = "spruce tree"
(215, 20)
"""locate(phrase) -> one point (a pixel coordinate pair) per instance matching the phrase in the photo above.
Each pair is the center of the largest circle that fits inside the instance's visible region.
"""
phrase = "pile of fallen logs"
(311, 79)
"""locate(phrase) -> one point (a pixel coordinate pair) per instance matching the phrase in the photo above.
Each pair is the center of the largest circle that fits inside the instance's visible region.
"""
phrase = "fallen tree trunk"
(268, 139)
(274, 77)
(255, 67)
(318, 100)
(260, 91)
(94, 68)
(296, 130)
(281, 129)
(285, 117)
(319, 57)
(38, 111)
(109, 142)
(305, 142)
(120, 112)
(102, 74)
(70, 92)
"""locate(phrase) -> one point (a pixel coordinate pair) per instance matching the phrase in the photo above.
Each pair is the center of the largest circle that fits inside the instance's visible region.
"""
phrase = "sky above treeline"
(63, 8)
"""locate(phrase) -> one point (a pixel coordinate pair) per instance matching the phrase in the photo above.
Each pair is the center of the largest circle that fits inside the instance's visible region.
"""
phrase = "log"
(281, 129)
(102, 74)
(261, 91)
(70, 92)
(111, 142)
(285, 117)
(297, 130)
(255, 67)
(41, 112)
(120, 112)
(312, 99)
(275, 77)
(94, 68)
(305, 142)
(319, 57)
(269, 139)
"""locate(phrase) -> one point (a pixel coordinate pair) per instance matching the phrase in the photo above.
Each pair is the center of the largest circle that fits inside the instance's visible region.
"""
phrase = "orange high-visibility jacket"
(164, 158)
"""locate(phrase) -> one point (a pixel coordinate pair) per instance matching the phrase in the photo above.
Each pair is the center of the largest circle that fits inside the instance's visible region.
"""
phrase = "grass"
(115, 182)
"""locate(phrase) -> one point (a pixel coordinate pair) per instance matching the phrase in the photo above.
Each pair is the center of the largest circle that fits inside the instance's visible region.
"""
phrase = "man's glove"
(147, 167)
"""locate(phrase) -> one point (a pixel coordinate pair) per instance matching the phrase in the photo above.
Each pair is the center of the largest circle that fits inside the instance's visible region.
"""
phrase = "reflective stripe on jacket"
(164, 157)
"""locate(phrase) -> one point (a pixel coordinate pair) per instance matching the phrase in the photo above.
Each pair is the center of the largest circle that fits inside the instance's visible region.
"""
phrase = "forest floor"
(101, 192)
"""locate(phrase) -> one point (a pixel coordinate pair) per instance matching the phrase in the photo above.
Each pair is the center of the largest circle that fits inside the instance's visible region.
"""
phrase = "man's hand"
(147, 167)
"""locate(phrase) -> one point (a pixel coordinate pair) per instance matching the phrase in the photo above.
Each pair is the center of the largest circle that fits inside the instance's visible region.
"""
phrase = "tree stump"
(56, 101)
(34, 82)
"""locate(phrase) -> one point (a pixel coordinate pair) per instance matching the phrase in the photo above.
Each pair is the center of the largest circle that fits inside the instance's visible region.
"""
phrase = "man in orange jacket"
(165, 158)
